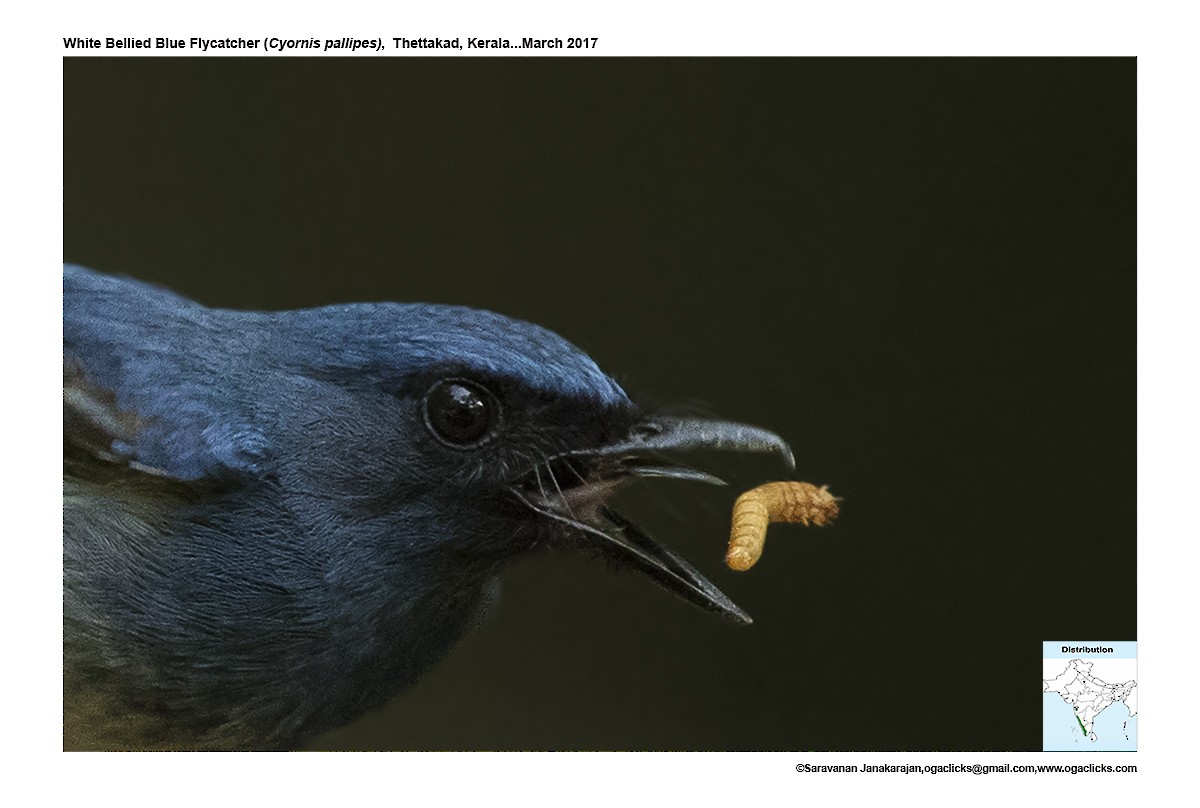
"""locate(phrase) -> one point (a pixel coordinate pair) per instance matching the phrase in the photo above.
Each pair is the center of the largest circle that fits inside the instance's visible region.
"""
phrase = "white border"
(1160, 34)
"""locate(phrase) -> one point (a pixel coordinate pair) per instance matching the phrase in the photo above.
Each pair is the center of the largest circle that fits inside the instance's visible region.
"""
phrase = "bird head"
(276, 520)
(505, 434)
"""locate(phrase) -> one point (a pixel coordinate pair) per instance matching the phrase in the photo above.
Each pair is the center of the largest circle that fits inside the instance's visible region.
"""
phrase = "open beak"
(581, 505)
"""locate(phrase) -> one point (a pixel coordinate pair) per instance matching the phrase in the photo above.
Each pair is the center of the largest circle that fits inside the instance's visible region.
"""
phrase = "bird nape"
(275, 521)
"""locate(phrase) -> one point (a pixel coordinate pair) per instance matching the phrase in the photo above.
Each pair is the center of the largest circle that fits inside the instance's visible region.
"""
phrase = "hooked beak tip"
(686, 434)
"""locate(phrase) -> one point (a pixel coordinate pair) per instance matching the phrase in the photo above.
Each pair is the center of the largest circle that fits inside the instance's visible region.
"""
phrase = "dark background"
(919, 272)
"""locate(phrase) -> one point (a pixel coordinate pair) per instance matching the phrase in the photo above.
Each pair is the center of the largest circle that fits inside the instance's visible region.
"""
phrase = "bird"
(277, 521)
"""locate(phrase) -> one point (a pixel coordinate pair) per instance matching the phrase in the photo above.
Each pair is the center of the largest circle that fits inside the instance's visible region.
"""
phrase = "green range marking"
(1081, 727)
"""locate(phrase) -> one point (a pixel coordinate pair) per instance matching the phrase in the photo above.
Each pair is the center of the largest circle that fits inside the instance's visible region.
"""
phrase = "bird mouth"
(572, 490)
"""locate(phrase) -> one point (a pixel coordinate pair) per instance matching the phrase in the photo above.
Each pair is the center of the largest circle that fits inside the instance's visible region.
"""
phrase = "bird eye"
(460, 413)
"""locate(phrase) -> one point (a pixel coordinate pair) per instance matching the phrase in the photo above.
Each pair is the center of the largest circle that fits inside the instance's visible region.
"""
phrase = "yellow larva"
(774, 502)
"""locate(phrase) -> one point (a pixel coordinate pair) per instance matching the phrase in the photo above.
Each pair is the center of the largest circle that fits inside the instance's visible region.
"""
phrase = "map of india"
(1091, 683)
(1089, 695)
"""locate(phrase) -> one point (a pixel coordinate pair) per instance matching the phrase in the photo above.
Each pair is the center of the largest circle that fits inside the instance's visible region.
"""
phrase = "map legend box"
(1089, 696)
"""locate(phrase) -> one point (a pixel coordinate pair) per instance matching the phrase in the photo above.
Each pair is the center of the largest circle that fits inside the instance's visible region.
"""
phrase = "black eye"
(459, 412)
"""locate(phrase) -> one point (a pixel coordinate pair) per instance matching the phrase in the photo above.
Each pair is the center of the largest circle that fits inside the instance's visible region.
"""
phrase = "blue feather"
(199, 378)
